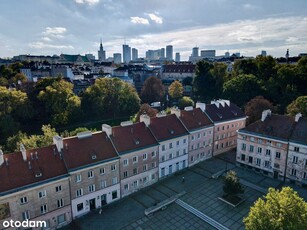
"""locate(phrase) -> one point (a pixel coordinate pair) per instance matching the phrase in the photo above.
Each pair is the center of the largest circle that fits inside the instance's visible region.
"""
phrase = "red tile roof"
(274, 126)
(132, 137)
(79, 152)
(167, 127)
(195, 119)
(18, 173)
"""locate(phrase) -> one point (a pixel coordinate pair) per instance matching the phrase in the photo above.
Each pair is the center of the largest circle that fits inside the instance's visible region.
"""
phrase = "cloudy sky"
(47, 27)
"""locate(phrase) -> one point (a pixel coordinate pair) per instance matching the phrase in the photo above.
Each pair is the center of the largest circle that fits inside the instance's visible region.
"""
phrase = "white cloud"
(89, 2)
(54, 31)
(41, 45)
(46, 39)
(139, 20)
(249, 6)
(156, 18)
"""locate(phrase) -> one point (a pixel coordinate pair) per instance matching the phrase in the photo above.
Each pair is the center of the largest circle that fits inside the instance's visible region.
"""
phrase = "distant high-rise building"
(195, 52)
(169, 52)
(117, 57)
(101, 53)
(207, 53)
(227, 54)
(238, 54)
(177, 57)
(263, 53)
(126, 53)
(134, 54)
(162, 52)
(90, 57)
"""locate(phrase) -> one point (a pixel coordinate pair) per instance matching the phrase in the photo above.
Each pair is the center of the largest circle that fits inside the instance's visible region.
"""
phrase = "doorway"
(92, 204)
(275, 174)
(103, 199)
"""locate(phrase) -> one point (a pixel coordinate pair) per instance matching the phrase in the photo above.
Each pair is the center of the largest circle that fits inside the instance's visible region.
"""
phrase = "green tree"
(299, 105)
(152, 90)
(232, 185)
(203, 84)
(185, 102)
(110, 97)
(175, 90)
(266, 67)
(60, 102)
(241, 89)
(19, 77)
(145, 109)
(245, 66)
(187, 81)
(278, 210)
(255, 106)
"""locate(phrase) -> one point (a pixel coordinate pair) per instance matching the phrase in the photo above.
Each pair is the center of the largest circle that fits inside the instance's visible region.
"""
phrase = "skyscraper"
(117, 58)
(126, 53)
(169, 52)
(195, 52)
(134, 54)
(101, 53)
(177, 57)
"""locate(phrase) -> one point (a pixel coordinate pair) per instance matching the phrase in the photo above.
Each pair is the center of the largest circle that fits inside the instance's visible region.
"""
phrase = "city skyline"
(76, 26)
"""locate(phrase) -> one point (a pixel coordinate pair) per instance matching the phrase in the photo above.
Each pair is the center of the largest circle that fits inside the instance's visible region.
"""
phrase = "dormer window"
(94, 156)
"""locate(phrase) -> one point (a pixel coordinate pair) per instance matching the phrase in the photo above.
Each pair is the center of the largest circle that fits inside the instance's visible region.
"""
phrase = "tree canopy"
(299, 105)
(232, 185)
(146, 109)
(152, 91)
(185, 102)
(175, 90)
(278, 210)
(255, 107)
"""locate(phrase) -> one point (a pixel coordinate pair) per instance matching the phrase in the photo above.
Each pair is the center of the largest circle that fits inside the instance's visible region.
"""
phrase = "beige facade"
(263, 154)
(225, 135)
(49, 202)
(138, 169)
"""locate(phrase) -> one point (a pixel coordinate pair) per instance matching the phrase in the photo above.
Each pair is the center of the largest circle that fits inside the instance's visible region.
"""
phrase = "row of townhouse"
(78, 174)
(276, 145)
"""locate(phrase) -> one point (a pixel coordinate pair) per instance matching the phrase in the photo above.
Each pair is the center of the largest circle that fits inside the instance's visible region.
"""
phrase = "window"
(78, 178)
(162, 172)
(177, 143)
(259, 150)
(135, 184)
(153, 164)
(278, 145)
(218, 128)
(244, 137)
(23, 200)
(102, 171)
(61, 219)
(258, 161)
(296, 149)
(79, 207)
(125, 174)
(126, 162)
(145, 179)
(144, 168)
(170, 169)
(135, 159)
(305, 175)
(43, 209)
(184, 151)
(295, 159)
(144, 156)
(293, 172)
(58, 188)
(192, 158)
(170, 145)
(135, 171)
(91, 188)
(242, 157)
(251, 148)
(177, 153)
(163, 147)
(60, 203)
(305, 162)
(252, 139)
(198, 135)
(223, 128)
(267, 164)
(42, 194)
(268, 152)
(126, 187)
(90, 174)
(114, 180)
(192, 138)
(260, 141)
(277, 155)
(192, 147)
(26, 215)
(269, 142)
(163, 158)
(204, 134)
(79, 192)
(170, 156)
(113, 167)
(153, 154)
(153, 176)
(184, 141)
(103, 183)
(250, 160)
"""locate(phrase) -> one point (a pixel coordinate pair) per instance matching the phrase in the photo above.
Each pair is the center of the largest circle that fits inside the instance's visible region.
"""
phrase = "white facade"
(297, 163)
(94, 200)
(173, 155)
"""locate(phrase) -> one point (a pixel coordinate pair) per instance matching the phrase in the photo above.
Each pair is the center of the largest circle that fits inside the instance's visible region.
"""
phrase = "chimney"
(176, 111)
(217, 104)
(58, 141)
(227, 102)
(23, 152)
(189, 108)
(222, 102)
(108, 129)
(201, 105)
(265, 114)
(1, 157)
(297, 117)
(146, 119)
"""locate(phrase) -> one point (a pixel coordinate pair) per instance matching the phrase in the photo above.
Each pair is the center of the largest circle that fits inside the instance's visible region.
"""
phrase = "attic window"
(38, 174)
(136, 141)
(94, 156)
(234, 113)
(171, 131)
(219, 115)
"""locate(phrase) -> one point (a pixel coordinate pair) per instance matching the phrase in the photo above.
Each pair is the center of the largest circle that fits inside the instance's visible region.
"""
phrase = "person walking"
(183, 179)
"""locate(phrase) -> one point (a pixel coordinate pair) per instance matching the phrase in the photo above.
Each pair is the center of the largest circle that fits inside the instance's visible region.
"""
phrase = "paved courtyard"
(202, 194)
